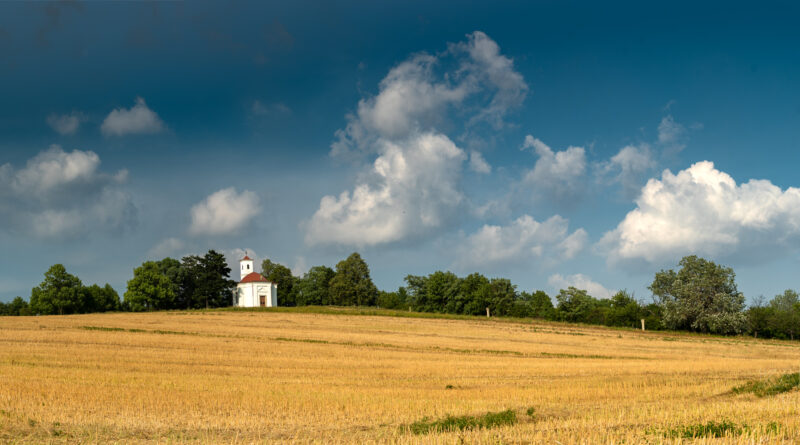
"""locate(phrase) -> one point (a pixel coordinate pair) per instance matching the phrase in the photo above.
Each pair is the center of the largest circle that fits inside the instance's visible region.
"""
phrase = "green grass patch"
(770, 386)
(460, 423)
(301, 340)
(708, 429)
(102, 328)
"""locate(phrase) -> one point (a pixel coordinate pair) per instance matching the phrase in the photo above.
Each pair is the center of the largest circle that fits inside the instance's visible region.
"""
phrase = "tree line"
(701, 296)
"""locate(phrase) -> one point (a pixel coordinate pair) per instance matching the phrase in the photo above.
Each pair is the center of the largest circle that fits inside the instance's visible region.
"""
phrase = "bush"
(458, 423)
(771, 386)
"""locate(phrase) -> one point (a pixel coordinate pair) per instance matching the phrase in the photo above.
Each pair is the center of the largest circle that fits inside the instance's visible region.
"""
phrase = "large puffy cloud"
(524, 240)
(411, 98)
(557, 175)
(414, 97)
(580, 281)
(139, 119)
(702, 210)
(412, 189)
(224, 212)
(413, 186)
(61, 194)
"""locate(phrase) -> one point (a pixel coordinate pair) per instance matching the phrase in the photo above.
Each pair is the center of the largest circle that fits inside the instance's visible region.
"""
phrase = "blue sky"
(515, 139)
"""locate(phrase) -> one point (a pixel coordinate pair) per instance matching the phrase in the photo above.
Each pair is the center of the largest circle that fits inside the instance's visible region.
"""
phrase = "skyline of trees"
(700, 296)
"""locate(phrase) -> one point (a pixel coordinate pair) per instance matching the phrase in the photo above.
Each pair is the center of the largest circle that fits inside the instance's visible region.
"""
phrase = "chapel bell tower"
(245, 266)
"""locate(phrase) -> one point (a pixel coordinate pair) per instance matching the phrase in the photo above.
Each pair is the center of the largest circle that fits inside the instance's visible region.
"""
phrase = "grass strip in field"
(708, 429)
(562, 355)
(770, 386)
(156, 331)
(459, 423)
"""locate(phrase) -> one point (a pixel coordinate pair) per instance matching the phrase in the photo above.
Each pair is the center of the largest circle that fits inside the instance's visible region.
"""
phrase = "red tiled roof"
(246, 258)
(254, 277)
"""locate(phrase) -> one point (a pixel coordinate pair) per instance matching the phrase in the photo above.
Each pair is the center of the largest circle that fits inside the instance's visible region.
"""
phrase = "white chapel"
(254, 290)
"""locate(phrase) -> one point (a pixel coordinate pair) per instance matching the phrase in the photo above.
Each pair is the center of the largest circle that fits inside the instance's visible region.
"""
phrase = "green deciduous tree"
(393, 300)
(785, 314)
(17, 306)
(59, 293)
(352, 285)
(625, 310)
(149, 289)
(314, 287)
(541, 306)
(101, 299)
(282, 276)
(575, 305)
(702, 296)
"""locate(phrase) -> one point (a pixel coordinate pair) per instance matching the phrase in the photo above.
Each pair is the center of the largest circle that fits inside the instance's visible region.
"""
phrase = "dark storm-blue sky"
(600, 76)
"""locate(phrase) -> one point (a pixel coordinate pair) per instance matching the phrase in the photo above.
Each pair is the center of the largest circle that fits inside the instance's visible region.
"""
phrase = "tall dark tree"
(59, 293)
(352, 285)
(186, 282)
(214, 283)
(314, 287)
(702, 296)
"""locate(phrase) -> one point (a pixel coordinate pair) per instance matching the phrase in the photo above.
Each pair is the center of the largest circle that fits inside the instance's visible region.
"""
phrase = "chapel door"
(263, 301)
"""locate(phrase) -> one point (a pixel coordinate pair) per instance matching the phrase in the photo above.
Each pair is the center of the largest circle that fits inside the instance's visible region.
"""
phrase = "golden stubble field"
(251, 377)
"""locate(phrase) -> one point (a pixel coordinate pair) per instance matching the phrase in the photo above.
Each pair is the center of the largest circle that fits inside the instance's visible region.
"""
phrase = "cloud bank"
(702, 211)
(62, 195)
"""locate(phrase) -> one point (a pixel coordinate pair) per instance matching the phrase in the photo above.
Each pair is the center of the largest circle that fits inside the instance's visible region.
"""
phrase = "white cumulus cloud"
(224, 212)
(412, 189)
(580, 281)
(139, 119)
(702, 210)
(415, 95)
(524, 240)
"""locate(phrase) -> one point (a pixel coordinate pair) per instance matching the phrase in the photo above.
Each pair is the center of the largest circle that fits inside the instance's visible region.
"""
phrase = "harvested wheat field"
(268, 376)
